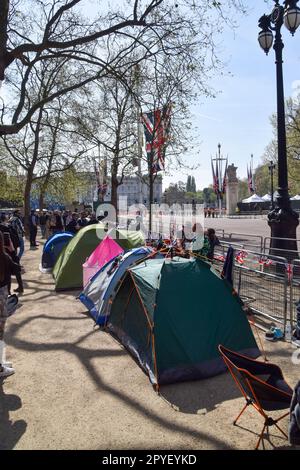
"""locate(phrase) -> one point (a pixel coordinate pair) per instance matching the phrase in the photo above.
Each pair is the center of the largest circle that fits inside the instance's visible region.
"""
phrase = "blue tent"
(52, 249)
(102, 288)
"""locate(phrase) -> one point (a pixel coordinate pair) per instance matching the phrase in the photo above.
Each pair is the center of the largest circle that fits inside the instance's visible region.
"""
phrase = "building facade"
(137, 190)
(134, 188)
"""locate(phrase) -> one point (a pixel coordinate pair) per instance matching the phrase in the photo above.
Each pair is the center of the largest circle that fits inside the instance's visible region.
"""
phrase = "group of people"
(52, 222)
(13, 232)
(11, 251)
(211, 212)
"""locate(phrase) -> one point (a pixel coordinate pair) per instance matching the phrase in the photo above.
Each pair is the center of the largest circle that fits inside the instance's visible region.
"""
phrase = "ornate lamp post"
(272, 167)
(282, 219)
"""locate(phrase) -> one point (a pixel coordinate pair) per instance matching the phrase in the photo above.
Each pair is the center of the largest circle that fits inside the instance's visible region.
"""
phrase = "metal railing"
(261, 281)
(268, 284)
(267, 246)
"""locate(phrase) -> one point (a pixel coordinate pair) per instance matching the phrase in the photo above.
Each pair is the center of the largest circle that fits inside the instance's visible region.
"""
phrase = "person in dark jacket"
(43, 220)
(17, 224)
(73, 226)
(210, 241)
(10, 240)
(59, 225)
(7, 268)
(294, 425)
(33, 227)
(82, 221)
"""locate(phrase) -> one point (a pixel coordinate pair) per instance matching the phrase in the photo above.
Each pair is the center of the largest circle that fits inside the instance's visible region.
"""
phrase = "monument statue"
(232, 190)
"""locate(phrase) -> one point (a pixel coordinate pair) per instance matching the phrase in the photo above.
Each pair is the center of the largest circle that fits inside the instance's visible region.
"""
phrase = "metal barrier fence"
(294, 292)
(255, 242)
(268, 284)
(263, 283)
(267, 247)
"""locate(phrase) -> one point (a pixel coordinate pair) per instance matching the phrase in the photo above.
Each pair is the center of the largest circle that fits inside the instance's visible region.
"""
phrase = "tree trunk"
(4, 8)
(30, 172)
(114, 183)
(41, 199)
(44, 189)
(27, 192)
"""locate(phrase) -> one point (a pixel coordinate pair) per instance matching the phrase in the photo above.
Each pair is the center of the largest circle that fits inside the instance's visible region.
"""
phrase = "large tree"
(293, 144)
(40, 148)
(34, 31)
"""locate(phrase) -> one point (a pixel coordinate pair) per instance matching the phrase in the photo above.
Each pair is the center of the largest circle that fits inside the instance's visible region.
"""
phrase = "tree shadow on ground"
(10, 432)
(42, 289)
(268, 443)
(86, 356)
(201, 396)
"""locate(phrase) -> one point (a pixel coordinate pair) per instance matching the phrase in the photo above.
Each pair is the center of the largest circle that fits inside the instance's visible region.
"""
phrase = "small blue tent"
(52, 249)
(101, 289)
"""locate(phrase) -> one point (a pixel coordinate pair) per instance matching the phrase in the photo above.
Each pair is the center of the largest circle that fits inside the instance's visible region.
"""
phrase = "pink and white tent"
(106, 251)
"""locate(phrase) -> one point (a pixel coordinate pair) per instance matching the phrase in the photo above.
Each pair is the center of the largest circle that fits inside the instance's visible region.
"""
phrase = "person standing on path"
(7, 268)
(33, 227)
(11, 244)
(59, 225)
(73, 226)
(17, 224)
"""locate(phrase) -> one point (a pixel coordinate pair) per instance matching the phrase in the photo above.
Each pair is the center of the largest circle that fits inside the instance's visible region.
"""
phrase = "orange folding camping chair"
(263, 386)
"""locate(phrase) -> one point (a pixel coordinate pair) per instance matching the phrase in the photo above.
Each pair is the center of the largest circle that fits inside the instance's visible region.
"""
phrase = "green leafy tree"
(209, 196)
(243, 191)
(262, 180)
(189, 184)
(293, 145)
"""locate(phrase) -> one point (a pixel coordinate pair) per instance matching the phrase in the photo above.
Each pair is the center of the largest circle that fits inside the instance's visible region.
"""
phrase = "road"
(257, 226)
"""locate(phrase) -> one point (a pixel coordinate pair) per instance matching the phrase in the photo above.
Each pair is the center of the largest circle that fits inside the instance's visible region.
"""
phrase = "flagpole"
(219, 177)
(137, 81)
(220, 180)
(151, 175)
(252, 174)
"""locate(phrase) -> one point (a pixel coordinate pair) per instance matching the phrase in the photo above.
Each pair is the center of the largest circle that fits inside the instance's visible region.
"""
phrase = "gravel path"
(75, 387)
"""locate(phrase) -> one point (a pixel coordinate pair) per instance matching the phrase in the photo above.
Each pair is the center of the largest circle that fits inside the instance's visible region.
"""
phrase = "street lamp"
(272, 167)
(282, 219)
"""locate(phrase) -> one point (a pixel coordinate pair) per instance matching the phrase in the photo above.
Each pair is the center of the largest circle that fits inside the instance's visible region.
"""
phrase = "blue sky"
(238, 117)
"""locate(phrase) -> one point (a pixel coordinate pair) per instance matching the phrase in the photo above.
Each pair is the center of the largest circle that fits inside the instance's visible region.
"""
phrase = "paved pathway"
(77, 388)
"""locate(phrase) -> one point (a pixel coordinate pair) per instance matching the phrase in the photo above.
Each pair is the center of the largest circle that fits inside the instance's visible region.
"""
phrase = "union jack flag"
(157, 128)
(224, 187)
(289, 271)
(241, 256)
(265, 261)
(219, 258)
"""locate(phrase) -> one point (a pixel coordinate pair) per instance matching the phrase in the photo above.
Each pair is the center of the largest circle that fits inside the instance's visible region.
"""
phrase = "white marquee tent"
(253, 199)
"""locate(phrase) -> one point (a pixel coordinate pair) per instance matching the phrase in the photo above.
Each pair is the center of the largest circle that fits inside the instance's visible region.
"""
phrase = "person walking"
(17, 224)
(7, 268)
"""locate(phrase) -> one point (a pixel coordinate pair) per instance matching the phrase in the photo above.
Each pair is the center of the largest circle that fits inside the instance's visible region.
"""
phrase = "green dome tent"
(172, 315)
(68, 273)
